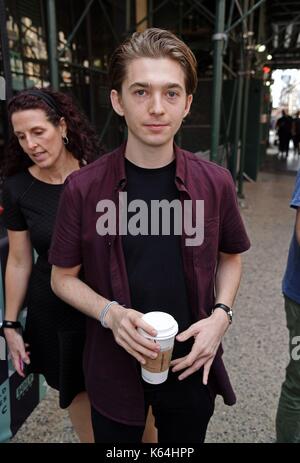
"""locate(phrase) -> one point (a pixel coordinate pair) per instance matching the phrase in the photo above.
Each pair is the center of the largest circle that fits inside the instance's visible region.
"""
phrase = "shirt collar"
(119, 165)
(180, 164)
(120, 172)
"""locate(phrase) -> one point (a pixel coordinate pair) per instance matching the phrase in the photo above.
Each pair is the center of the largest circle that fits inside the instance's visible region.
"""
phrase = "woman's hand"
(17, 349)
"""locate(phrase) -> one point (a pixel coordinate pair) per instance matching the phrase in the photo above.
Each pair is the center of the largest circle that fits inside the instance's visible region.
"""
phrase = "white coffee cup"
(155, 371)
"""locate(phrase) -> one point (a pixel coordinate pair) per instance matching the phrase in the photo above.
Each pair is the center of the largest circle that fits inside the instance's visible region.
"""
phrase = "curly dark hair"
(83, 141)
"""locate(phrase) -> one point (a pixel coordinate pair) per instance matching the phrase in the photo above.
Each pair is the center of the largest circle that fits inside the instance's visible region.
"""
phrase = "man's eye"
(38, 133)
(140, 92)
(172, 94)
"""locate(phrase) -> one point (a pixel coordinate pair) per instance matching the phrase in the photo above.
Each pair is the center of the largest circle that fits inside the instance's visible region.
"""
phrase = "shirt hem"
(53, 260)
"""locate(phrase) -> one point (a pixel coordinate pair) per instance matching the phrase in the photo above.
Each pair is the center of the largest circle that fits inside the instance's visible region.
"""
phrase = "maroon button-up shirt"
(112, 375)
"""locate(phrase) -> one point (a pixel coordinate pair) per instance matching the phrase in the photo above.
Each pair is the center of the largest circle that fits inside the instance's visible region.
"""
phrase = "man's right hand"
(17, 349)
(124, 323)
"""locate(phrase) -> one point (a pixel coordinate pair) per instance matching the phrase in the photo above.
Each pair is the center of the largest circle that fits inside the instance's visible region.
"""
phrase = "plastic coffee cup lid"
(165, 325)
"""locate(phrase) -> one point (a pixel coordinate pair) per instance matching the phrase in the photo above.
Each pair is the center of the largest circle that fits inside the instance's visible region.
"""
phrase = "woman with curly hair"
(50, 139)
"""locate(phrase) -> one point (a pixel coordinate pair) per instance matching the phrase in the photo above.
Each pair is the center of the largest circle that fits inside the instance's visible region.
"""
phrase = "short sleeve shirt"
(108, 367)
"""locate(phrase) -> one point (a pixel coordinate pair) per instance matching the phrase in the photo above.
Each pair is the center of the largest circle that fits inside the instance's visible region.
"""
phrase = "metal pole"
(259, 3)
(230, 13)
(155, 10)
(180, 14)
(228, 128)
(238, 112)
(70, 38)
(52, 44)
(261, 24)
(21, 42)
(180, 5)
(150, 13)
(91, 74)
(5, 53)
(128, 16)
(218, 38)
(244, 135)
(140, 13)
(245, 116)
(109, 21)
(229, 21)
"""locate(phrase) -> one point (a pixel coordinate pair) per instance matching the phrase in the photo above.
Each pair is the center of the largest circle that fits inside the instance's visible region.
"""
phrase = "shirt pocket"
(205, 255)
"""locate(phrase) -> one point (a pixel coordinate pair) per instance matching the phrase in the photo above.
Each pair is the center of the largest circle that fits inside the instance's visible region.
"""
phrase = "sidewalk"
(256, 345)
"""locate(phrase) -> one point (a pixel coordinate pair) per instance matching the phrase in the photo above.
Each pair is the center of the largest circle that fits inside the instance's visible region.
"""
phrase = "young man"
(153, 76)
(288, 411)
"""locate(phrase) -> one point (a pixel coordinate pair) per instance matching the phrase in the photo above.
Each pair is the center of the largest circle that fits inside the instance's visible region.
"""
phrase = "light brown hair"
(153, 43)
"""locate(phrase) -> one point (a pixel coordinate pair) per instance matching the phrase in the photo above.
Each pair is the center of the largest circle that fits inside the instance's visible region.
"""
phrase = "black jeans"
(182, 410)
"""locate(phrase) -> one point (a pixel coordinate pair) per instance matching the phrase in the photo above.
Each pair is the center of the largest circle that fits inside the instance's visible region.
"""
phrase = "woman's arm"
(18, 270)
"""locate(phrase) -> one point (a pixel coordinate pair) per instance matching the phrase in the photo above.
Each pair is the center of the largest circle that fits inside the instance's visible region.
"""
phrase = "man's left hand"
(208, 334)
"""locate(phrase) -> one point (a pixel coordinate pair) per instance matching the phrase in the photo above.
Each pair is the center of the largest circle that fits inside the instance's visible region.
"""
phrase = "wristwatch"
(227, 310)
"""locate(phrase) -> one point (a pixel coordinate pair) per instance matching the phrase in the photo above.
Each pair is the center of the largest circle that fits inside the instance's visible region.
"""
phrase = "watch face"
(226, 309)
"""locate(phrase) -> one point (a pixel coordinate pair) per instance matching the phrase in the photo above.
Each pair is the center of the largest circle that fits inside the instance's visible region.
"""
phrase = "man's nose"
(156, 104)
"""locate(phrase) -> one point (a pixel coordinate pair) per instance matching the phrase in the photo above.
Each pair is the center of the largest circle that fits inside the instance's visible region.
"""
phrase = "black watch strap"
(227, 309)
(9, 324)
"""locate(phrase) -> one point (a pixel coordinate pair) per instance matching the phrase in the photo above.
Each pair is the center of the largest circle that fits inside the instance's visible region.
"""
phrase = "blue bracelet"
(104, 312)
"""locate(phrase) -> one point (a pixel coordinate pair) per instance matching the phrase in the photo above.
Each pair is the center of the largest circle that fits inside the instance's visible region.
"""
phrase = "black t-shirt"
(31, 204)
(154, 263)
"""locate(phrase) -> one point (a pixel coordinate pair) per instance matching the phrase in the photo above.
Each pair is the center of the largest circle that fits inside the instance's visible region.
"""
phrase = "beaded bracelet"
(104, 312)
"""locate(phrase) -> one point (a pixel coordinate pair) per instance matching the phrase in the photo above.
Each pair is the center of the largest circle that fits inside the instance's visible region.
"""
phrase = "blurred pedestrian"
(284, 132)
(288, 413)
(296, 132)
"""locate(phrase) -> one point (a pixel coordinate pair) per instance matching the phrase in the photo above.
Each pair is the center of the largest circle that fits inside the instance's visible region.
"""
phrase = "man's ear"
(116, 102)
(189, 100)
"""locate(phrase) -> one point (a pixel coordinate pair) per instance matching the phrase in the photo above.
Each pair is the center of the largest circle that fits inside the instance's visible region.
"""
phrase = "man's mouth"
(156, 124)
(156, 127)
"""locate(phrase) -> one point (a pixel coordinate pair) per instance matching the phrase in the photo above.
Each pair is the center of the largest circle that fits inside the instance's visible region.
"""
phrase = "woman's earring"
(65, 140)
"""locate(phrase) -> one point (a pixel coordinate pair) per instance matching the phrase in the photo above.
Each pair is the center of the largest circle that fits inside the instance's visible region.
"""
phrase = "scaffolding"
(232, 31)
